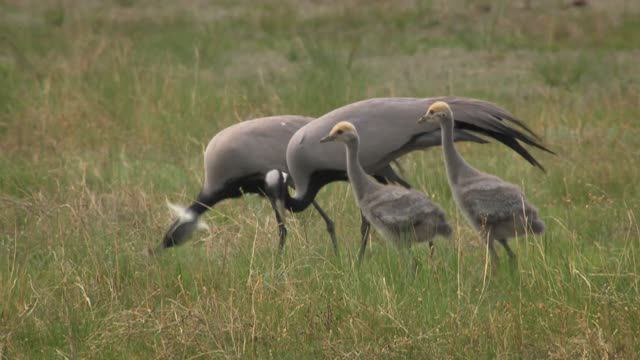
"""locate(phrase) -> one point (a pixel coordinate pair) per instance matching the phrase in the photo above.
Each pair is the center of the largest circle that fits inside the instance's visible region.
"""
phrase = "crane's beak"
(327, 138)
(424, 118)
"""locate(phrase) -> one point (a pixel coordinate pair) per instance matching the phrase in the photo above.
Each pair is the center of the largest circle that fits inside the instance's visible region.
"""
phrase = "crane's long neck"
(305, 195)
(297, 204)
(454, 163)
(359, 179)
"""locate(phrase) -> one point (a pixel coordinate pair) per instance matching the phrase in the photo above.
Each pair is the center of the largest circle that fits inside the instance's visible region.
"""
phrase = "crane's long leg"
(390, 175)
(400, 181)
(492, 250)
(414, 265)
(512, 255)
(330, 226)
(365, 227)
(506, 247)
(282, 228)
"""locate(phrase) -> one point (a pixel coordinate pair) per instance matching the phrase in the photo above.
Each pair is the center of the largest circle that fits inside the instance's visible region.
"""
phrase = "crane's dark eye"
(431, 112)
(339, 131)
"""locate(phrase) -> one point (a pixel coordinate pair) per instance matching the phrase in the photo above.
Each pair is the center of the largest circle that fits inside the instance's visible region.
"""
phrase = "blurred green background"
(105, 109)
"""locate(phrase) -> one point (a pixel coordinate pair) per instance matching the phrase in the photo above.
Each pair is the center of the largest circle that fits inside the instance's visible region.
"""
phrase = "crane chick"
(495, 208)
(399, 214)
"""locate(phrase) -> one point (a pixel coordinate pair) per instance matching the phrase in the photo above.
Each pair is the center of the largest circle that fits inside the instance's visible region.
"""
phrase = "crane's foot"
(334, 240)
(282, 232)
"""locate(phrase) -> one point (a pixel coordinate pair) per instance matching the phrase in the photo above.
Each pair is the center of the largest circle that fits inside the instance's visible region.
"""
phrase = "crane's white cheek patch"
(186, 216)
(272, 178)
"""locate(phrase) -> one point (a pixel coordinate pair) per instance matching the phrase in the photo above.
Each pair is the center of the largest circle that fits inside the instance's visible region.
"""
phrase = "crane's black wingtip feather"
(514, 120)
(549, 151)
(543, 148)
(517, 147)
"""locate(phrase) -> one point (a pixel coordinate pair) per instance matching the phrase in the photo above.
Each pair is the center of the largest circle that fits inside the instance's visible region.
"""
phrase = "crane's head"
(439, 112)
(343, 131)
(183, 227)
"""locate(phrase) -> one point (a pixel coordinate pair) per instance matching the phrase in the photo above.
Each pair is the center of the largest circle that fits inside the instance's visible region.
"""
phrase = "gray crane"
(388, 130)
(399, 214)
(248, 157)
(495, 208)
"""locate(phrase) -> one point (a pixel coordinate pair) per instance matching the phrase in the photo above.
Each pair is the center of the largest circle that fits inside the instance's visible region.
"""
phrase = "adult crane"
(249, 157)
(388, 129)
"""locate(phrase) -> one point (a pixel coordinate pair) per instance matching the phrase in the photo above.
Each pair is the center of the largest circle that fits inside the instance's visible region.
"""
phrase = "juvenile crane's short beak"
(327, 138)
(423, 118)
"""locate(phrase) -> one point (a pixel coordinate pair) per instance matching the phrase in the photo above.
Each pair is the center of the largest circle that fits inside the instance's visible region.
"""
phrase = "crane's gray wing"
(249, 148)
(253, 146)
(388, 129)
(494, 201)
(401, 208)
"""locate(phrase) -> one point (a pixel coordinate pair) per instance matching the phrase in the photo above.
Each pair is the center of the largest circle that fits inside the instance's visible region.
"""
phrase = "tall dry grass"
(104, 112)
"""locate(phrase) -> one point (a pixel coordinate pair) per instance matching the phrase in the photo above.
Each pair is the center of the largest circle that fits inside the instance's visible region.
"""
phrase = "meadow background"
(105, 109)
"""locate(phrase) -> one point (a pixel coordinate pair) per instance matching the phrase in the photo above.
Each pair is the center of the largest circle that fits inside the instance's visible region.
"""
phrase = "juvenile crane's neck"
(359, 179)
(453, 161)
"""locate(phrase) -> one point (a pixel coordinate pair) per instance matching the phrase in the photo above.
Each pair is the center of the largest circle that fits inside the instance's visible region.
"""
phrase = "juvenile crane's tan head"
(438, 111)
(343, 131)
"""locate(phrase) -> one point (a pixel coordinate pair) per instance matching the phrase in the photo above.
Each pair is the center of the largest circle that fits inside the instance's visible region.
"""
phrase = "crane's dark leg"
(506, 247)
(414, 264)
(400, 181)
(282, 228)
(432, 249)
(512, 255)
(389, 175)
(492, 250)
(365, 227)
(330, 226)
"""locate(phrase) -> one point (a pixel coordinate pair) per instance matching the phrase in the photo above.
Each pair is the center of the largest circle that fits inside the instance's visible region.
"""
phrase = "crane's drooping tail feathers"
(186, 223)
(444, 229)
(537, 226)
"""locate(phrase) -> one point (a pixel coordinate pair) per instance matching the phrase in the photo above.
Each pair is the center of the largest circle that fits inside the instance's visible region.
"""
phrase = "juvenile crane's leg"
(492, 250)
(365, 227)
(511, 254)
(330, 226)
(414, 265)
(282, 228)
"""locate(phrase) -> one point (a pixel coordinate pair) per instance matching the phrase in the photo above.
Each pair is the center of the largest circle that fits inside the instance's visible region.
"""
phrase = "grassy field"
(106, 106)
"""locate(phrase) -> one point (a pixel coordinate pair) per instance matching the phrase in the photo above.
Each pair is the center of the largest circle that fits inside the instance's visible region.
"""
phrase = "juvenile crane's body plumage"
(494, 207)
(401, 215)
